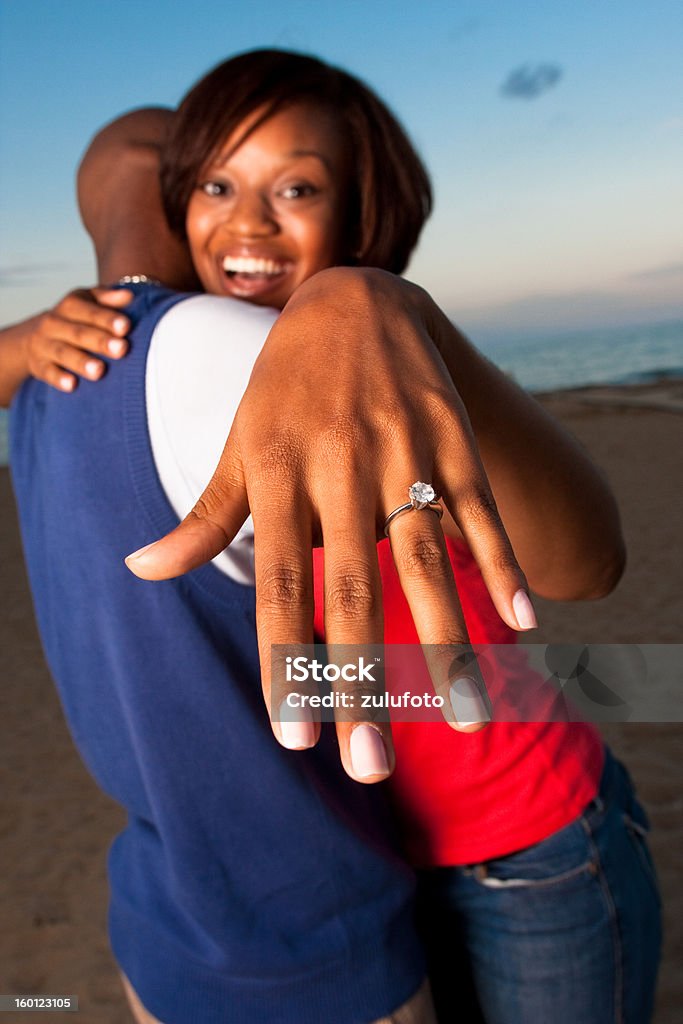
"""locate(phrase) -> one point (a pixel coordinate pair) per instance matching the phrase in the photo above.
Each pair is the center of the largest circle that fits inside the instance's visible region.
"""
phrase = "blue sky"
(554, 133)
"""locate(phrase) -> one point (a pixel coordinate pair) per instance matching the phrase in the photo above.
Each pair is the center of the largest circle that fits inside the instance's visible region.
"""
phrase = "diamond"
(421, 494)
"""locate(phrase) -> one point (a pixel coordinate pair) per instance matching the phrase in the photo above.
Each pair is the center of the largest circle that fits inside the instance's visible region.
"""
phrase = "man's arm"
(120, 203)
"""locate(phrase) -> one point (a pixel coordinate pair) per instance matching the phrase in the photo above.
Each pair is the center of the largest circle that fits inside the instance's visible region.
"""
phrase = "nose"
(252, 217)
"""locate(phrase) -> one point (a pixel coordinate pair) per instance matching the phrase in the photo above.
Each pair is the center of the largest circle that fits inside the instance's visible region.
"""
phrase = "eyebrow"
(312, 152)
(294, 155)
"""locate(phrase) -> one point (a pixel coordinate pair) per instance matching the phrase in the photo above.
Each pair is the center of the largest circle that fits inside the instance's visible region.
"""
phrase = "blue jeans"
(567, 931)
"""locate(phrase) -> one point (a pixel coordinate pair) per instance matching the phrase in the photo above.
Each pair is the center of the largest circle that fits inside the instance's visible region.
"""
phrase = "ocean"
(623, 355)
(620, 356)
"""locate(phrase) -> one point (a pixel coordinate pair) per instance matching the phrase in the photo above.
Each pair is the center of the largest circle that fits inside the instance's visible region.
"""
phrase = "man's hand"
(349, 403)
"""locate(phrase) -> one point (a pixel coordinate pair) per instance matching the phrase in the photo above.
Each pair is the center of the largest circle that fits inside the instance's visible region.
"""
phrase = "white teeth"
(251, 265)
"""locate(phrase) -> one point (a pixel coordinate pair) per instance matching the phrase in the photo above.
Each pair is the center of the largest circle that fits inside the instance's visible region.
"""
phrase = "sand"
(55, 825)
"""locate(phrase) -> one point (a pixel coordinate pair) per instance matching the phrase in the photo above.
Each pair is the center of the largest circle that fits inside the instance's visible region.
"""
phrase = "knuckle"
(282, 453)
(395, 426)
(356, 690)
(504, 563)
(478, 506)
(59, 351)
(46, 371)
(343, 436)
(437, 407)
(282, 584)
(350, 594)
(205, 508)
(66, 303)
(452, 635)
(424, 556)
(81, 334)
(46, 322)
(204, 514)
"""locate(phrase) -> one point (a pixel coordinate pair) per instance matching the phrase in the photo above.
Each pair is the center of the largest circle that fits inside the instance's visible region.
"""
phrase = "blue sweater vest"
(252, 885)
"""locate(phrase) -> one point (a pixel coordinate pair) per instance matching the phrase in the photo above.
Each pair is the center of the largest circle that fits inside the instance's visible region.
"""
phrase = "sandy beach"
(55, 825)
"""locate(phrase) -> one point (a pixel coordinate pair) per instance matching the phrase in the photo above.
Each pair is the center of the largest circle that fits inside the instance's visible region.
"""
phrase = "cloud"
(547, 313)
(530, 81)
(466, 27)
(27, 274)
(667, 270)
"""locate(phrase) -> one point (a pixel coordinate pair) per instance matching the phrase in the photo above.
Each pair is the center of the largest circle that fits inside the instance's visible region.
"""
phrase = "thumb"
(204, 532)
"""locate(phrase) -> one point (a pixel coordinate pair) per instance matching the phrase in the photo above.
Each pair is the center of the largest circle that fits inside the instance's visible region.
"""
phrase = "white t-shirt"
(200, 359)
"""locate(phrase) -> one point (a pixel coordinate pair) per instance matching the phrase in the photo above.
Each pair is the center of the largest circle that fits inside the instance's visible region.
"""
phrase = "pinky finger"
(481, 526)
(473, 507)
(57, 378)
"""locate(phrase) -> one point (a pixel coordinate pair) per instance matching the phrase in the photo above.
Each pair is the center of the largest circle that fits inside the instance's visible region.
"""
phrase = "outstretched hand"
(349, 403)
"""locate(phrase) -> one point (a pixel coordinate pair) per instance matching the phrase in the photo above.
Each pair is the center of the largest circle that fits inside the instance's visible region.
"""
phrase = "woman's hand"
(62, 344)
(349, 404)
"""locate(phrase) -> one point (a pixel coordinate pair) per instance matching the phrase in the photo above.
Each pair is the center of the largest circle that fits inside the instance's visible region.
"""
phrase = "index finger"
(91, 307)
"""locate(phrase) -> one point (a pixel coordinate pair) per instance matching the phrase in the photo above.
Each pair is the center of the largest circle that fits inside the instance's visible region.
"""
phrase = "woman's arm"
(558, 509)
(13, 359)
(62, 344)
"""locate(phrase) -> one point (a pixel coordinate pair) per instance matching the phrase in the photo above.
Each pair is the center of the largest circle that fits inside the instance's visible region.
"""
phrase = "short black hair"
(390, 195)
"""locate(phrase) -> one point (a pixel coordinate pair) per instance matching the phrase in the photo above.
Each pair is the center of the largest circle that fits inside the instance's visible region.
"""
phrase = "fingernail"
(116, 347)
(67, 383)
(524, 611)
(93, 368)
(120, 325)
(138, 554)
(298, 734)
(368, 753)
(467, 702)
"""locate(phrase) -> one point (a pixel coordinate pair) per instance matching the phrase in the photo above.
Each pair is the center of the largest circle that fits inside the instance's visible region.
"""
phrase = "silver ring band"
(435, 506)
(421, 496)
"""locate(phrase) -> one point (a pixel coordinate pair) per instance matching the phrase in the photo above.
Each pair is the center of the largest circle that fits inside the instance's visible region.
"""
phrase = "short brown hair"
(390, 196)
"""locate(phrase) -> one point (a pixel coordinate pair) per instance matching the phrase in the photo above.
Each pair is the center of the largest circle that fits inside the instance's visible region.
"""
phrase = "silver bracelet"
(138, 279)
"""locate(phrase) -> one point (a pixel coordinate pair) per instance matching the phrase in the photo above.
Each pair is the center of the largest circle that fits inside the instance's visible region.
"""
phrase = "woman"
(267, 172)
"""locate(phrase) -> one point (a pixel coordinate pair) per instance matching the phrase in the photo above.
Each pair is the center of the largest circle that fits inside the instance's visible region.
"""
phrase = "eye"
(299, 191)
(214, 188)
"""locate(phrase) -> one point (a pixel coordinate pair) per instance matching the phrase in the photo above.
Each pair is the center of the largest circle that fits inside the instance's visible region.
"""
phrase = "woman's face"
(268, 214)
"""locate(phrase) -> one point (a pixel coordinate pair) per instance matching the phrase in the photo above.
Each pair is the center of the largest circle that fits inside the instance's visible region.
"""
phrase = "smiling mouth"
(251, 268)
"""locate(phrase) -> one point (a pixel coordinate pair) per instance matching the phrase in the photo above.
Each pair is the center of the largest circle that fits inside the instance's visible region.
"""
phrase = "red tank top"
(464, 798)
